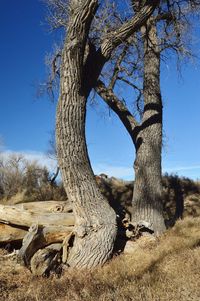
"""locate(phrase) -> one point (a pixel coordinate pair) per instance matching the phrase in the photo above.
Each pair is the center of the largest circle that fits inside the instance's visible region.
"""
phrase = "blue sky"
(26, 122)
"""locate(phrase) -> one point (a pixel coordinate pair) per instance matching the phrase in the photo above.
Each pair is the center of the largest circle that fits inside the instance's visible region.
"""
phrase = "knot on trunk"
(81, 230)
(58, 208)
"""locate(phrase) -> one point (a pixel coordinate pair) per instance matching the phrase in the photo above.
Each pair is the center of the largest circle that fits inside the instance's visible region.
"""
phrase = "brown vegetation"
(165, 269)
(26, 181)
(178, 191)
(156, 269)
(22, 181)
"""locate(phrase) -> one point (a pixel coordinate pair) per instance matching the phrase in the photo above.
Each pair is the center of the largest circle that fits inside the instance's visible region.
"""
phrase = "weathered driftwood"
(9, 234)
(43, 249)
(57, 234)
(47, 206)
(55, 218)
(33, 240)
(46, 260)
(40, 226)
(18, 215)
(38, 256)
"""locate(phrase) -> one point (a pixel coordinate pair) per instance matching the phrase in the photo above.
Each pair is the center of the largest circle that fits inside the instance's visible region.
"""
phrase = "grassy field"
(161, 270)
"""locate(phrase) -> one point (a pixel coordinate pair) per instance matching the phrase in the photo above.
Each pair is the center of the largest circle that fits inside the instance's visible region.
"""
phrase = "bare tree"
(81, 63)
(166, 30)
(95, 229)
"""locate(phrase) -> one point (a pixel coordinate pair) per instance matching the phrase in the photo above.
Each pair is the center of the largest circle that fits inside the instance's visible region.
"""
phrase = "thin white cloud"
(113, 171)
(123, 172)
(190, 171)
(41, 158)
(127, 173)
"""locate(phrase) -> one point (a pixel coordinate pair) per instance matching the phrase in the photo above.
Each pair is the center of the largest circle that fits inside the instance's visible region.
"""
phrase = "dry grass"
(166, 269)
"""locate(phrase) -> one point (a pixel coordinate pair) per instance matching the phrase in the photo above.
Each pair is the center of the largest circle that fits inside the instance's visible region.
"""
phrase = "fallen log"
(39, 226)
(40, 257)
(12, 234)
(24, 216)
(46, 260)
(56, 219)
(47, 206)
(56, 234)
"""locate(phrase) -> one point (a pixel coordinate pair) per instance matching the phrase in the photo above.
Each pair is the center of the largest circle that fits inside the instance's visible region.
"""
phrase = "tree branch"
(115, 38)
(117, 106)
(117, 68)
(112, 40)
(168, 16)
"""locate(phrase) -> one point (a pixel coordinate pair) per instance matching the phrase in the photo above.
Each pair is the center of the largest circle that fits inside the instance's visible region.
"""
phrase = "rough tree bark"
(146, 136)
(147, 195)
(91, 231)
(95, 220)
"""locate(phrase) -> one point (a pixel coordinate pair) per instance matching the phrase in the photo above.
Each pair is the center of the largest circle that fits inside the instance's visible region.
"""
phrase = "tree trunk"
(95, 220)
(147, 195)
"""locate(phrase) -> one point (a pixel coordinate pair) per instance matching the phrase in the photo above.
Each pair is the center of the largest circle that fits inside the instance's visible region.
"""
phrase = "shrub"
(28, 179)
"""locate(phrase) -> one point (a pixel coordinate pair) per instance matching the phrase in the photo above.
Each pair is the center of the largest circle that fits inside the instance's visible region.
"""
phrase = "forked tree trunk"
(95, 220)
(147, 195)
